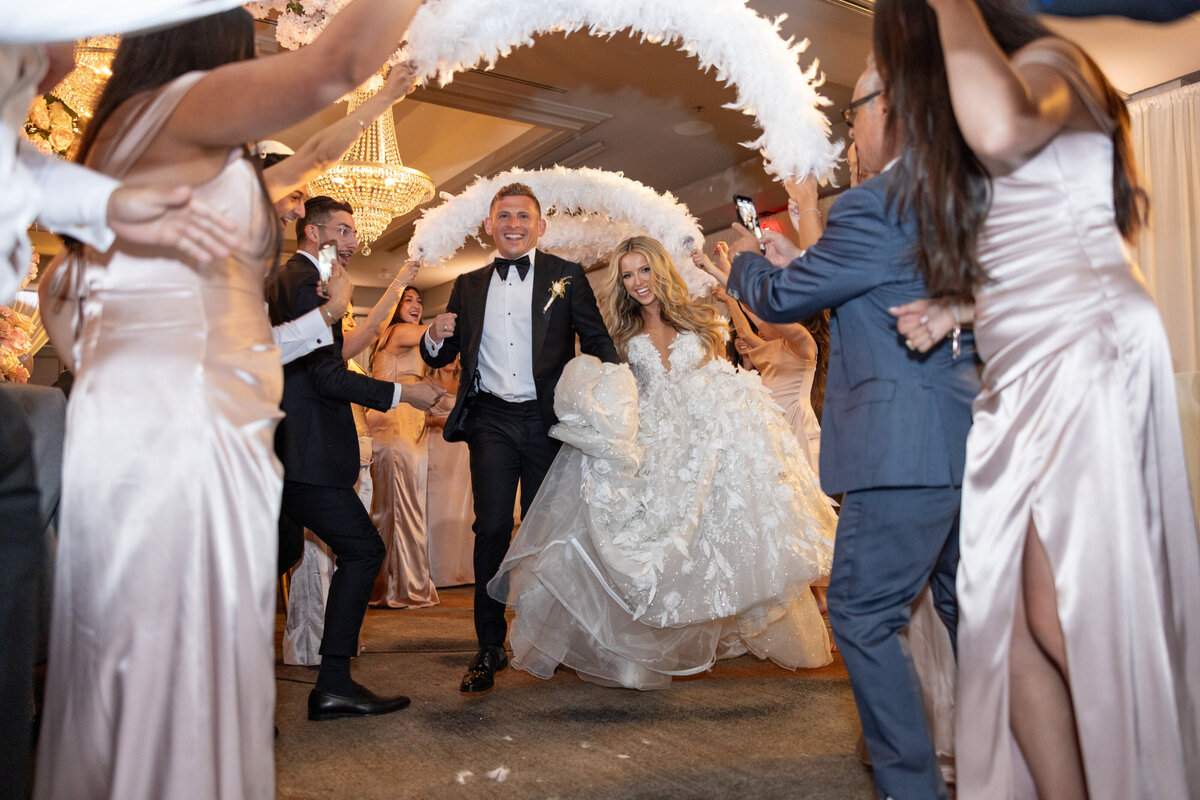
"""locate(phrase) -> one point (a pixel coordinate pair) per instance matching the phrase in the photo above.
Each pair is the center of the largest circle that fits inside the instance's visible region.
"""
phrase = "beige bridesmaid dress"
(399, 473)
(1076, 436)
(161, 677)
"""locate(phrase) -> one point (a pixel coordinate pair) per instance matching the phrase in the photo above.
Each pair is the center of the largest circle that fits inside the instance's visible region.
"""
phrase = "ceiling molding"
(481, 94)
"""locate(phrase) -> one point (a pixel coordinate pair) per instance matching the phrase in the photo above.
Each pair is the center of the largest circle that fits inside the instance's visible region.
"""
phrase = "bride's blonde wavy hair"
(623, 314)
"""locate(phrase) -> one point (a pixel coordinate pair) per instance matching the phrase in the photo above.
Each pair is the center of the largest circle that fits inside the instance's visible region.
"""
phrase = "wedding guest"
(399, 467)
(68, 199)
(892, 438)
(1080, 578)
(160, 677)
(512, 354)
(1149, 10)
(318, 446)
(658, 545)
(448, 512)
(308, 586)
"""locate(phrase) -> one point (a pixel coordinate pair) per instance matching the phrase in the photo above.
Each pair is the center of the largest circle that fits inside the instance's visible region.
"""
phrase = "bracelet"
(816, 211)
(325, 315)
(956, 332)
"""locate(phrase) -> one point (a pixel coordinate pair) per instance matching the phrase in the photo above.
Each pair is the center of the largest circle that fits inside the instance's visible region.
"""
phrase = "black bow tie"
(502, 265)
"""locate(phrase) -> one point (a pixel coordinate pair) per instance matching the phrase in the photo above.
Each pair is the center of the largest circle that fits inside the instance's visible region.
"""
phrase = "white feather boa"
(588, 213)
(448, 36)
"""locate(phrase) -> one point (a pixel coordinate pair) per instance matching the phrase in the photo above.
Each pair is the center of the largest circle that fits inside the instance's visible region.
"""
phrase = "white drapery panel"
(1166, 144)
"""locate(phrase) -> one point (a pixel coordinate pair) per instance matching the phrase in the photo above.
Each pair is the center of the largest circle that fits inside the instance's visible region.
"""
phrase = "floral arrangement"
(15, 343)
(51, 125)
(745, 49)
(588, 213)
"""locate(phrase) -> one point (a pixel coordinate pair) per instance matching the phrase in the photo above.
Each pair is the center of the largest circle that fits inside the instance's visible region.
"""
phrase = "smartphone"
(326, 255)
(747, 214)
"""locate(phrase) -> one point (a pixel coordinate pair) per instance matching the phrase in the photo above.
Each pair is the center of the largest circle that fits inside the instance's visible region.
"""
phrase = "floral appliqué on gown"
(681, 523)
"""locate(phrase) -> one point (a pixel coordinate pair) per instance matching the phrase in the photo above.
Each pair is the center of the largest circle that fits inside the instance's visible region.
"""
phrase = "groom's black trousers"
(508, 446)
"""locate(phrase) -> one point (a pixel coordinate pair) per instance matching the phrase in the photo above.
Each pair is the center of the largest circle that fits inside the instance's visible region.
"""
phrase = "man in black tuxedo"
(318, 445)
(515, 333)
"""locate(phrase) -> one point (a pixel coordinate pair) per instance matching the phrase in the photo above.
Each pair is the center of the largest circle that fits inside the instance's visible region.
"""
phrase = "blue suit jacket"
(892, 417)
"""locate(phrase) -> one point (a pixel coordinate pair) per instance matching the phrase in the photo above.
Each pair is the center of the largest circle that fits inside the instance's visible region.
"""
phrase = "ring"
(908, 343)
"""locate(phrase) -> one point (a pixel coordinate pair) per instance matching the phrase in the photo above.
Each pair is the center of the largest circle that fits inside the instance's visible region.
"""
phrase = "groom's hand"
(442, 327)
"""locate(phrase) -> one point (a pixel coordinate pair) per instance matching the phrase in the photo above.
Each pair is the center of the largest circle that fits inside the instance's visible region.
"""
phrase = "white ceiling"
(616, 102)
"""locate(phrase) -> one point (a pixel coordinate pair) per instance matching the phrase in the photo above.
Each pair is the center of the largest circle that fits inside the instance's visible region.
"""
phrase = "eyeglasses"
(850, 111)
(343, 230)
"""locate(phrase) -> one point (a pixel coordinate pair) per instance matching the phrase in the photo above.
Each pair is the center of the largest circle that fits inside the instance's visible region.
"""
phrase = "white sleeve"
(301, 336)
(431, 345)
(74, 199)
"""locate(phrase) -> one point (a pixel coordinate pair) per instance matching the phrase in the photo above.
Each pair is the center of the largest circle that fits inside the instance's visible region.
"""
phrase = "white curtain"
(1166, 144)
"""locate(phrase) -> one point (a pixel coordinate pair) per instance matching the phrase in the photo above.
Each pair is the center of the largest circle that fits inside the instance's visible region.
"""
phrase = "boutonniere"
(557, 290)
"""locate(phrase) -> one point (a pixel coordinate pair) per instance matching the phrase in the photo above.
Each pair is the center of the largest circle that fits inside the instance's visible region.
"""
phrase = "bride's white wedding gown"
(680, 523)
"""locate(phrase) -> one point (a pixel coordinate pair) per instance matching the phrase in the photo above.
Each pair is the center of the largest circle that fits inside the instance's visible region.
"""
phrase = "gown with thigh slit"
(399, 472)
(449, 510)
(1076, 439)
(680, 523)
(161, 677)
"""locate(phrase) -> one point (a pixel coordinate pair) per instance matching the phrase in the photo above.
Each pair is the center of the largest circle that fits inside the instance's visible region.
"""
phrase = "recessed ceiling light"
(693, 127)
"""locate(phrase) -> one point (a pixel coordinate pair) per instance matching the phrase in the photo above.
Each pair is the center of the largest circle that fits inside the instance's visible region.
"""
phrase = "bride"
(681, 523)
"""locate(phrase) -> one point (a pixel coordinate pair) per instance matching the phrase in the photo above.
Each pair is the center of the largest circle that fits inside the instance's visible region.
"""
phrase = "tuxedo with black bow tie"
(508, 437)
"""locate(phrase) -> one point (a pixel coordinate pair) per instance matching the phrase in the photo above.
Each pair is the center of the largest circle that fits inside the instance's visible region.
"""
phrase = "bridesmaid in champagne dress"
(1079, 584)
(161, 670)
(399, 468)
(449, 509)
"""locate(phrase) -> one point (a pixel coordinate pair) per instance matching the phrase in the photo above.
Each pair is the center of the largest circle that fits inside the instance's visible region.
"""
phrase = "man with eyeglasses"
(318, 445)
(893, 438)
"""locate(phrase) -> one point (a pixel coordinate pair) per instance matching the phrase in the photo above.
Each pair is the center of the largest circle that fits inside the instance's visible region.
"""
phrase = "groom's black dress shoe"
(362, 703)
(481, 675)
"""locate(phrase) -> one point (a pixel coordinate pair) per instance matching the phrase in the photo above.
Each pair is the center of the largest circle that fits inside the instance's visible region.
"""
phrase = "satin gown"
(161, 673)
(449, 509)
(399, 473)
(1076, 437)
(680, 523)
(789, 378)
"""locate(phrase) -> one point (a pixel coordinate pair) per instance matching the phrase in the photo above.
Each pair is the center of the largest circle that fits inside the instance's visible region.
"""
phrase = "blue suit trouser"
(890, 543)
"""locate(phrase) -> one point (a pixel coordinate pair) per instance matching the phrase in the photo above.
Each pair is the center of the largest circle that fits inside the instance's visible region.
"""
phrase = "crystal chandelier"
(372, 178)
(81, 88)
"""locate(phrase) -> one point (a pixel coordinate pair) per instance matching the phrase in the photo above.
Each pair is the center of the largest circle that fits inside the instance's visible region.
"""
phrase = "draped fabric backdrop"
(1166, 144)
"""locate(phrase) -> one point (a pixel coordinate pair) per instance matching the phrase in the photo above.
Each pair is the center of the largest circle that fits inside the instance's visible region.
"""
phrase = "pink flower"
(61, 138)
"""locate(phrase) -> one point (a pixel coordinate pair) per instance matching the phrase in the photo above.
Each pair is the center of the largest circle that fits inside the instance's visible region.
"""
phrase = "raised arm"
(803, 211)
(1005, 113)
(740, 323)
(260, 96)
(373, 326)
(324, 148)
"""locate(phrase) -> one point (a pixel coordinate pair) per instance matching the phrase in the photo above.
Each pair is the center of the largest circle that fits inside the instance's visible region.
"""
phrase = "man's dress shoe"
(481, 675)
(362, 703)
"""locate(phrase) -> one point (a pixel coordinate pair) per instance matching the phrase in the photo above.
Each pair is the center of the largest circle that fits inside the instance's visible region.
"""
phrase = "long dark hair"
(149, 60)
(818, 326)
(938, 175)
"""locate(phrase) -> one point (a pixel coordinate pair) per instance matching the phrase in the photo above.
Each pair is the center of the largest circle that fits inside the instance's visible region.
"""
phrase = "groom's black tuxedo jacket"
(316, 441)
(554, 331)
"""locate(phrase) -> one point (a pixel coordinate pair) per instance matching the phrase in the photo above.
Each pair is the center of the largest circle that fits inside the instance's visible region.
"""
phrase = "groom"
(893, 438)
(514, 322)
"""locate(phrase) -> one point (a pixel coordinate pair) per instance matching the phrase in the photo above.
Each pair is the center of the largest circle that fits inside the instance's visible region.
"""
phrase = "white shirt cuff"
(301, 336)
(431, 345)
(396, 394)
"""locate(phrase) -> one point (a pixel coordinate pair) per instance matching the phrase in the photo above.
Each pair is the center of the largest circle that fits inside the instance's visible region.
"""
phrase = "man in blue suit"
(893, 438)
(1149, 10)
